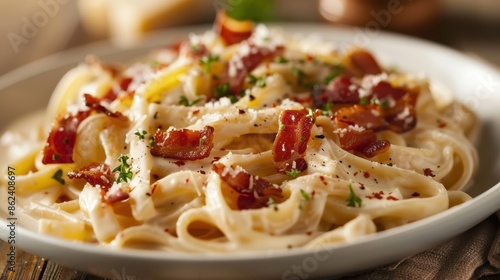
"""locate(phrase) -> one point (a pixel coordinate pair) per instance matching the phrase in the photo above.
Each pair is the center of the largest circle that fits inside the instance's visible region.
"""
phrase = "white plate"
(472, 82)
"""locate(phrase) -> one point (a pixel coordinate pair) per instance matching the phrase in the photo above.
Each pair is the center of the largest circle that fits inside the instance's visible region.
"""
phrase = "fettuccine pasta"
(239, 141)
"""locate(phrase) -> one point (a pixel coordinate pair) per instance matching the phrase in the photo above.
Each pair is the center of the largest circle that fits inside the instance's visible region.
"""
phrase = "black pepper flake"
(240, 111)
(148, 194)
(251, 97)
(255, 125)
(155, 116)
(320, 136)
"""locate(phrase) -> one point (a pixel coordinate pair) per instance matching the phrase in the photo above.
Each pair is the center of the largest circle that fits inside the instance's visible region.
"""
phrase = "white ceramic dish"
(476, 84)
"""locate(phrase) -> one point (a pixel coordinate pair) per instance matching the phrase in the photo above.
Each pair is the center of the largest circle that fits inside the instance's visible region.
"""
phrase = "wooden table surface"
(472, 37)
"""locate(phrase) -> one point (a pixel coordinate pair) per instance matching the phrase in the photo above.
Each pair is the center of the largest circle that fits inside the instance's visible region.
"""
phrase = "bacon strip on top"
(62, 136)
(61, 140)
(183, 144)
(254, 192)
(291, 142)
(96, 174)
(360, 62)
(99, 175)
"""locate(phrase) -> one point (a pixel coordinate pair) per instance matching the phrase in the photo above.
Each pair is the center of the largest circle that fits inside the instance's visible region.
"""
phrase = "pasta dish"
(239, 139)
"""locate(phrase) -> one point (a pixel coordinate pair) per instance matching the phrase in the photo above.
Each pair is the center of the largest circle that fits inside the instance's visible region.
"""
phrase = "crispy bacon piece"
(383, 90)
(368, 117)
(339, 90)
(357, 125)
(96, 174)
(375, 148)
(183, 144)
(240, 65)
(99, 175)
(95, 104)
(291, 142)
(114, 196)
(351, 139)
(254, 192)
(231, 30)
(402, 116)
(360, 62)
(61, 140)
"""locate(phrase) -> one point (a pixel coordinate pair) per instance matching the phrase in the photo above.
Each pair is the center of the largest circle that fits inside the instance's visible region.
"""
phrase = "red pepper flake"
(366, 174)
(202, 172)
(196, 111)
(187, 180)
(377, 195)
(428, 172)
(391, 198)
(179, 163)
(274, 105)
(355, 173)
(415, 194)
(215, 159)
(154, 188)
(309, 233)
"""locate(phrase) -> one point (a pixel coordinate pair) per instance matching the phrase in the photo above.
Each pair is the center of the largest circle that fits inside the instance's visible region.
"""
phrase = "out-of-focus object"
(31, 29)
(479, 10)
(125, 21)
(413, 17)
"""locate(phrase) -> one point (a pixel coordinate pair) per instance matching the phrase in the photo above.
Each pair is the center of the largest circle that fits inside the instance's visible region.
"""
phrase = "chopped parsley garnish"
(294, 173)
(300, 74)
(124, 169)
(151, 141)
(304, 195)
(58, 176)
(325, 111)
(281, 59)
(224, 91)
(140, 134)
(271, 202)
(184, 101)
(363, 101)
(384, 104)
(207, 61)
(310, 114)
(260, 81)
(335, 73)
(353, 199)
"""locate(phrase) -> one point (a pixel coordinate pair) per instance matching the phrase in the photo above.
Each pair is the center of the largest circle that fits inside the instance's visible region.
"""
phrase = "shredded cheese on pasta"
(210, 147)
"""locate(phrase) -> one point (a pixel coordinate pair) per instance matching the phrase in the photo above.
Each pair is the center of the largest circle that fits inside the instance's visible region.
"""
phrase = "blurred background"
(30, 29)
